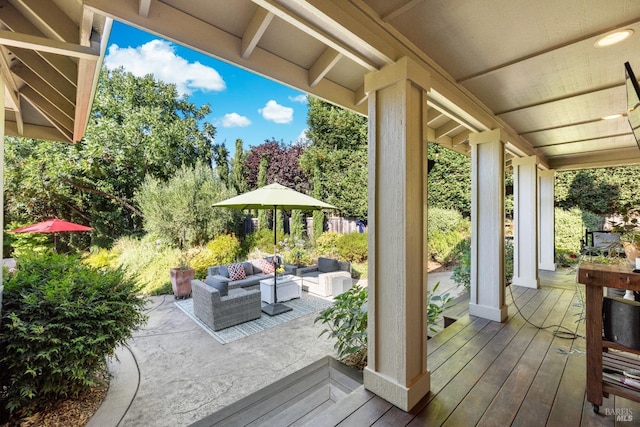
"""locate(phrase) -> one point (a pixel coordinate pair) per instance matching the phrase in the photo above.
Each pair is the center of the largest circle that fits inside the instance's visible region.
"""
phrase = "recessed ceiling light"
(613, 38)
(612, 116)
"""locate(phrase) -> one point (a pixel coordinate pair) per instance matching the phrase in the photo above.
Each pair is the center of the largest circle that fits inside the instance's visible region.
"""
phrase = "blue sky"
(244, 105)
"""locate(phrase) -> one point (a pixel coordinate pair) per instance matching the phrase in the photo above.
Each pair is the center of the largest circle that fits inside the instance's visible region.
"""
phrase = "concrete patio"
(173, 373)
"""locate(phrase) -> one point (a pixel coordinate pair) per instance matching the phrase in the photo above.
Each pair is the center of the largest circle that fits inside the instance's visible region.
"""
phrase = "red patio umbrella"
(52, 226)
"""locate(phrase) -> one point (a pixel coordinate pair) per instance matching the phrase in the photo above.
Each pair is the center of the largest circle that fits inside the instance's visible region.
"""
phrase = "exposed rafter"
(323, 65)
(258, 25)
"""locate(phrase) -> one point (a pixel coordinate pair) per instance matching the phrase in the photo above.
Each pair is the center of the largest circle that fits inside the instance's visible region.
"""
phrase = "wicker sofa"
(329, 277)
(222, 311)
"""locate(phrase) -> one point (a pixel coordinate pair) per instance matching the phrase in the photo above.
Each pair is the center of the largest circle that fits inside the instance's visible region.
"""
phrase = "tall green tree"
(296, 229)
(263, 216)
(182, 205)
(138, 126)
(337, 157)
(221, 160)
(238, 169)
(449, 179)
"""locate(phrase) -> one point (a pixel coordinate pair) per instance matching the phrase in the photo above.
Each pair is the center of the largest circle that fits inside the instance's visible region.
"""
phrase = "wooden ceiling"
(530, 68)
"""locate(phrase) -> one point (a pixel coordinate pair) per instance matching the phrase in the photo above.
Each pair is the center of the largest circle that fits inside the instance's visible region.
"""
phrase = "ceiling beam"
(320, 33)
(601, 159)
(323, 65)
(45, 133)
(171, 23)
(400, 10)
(36, 64)
(57, 119)
(38, 84)
(447, 128)
(11, 90)
(55, 24)
(26, 41)
(16, 22)
(143, 7)
(254, 32)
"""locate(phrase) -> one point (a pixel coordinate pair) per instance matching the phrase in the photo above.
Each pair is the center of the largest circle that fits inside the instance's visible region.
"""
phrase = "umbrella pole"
(275, 308)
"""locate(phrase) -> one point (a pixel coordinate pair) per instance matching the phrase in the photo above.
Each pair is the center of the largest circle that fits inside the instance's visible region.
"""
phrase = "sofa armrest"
(344, 266)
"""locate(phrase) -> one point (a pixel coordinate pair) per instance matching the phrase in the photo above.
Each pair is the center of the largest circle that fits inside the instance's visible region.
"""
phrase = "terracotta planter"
(181, 281)
(632, 252)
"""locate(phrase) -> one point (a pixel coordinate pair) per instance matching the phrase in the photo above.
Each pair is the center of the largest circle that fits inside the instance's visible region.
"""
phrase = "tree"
(238, 169)
(263, 218)
(221, 159)
(296, 230)
(282, 165)
(138, 127)
(183, 205)
(449, 180)
(338, 155)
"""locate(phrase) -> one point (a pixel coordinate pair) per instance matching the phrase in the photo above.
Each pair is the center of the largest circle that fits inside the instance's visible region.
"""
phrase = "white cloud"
(235, 120)
(158, 57)
(303, 136)
(276, 113)
(302, 99)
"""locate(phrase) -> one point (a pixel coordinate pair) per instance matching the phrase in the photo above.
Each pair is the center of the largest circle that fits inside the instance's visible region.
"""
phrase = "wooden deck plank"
(507, 401)
(539, 399)
(339, 412)
(368, 413)
(283, 417)
(480, 396)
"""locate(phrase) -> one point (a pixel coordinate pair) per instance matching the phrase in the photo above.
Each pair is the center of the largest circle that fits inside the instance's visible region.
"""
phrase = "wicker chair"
(217, 312)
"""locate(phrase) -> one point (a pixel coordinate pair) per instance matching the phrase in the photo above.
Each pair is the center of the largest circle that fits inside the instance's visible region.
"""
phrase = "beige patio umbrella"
(274, 196)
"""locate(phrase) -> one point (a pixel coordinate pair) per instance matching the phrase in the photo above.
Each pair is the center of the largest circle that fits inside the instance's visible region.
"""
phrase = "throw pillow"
(236, 272)
(220, 285)
(223, 271)
(266, 266)
(248, 268)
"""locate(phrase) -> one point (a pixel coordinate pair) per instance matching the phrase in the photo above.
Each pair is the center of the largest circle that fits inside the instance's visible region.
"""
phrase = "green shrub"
(261, 239)
(443, 221)
(442, 246)
(436, 304)
(61, 318)
(353, 247)
(346, 321)
(225, 249)
(570, 227)
(462, 268)
(566, 258)
(294, 251)
(101, 258)
(327, 244)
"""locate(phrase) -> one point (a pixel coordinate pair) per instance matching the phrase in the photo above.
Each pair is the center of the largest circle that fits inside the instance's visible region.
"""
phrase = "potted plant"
(629, 236)
(181, 277)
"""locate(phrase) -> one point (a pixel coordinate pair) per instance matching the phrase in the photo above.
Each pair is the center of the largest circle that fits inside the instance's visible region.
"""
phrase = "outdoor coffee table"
(288, 288)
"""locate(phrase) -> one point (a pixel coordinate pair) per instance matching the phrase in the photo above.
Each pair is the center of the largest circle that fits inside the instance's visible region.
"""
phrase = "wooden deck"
(498, 374)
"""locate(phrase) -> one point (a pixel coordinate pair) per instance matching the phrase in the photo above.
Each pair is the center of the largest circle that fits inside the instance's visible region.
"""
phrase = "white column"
(397, 272)
(2, 107)
(525, 218)
(487, 226)
(546, 220)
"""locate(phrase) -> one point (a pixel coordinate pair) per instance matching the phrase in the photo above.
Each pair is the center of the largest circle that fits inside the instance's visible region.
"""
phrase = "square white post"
(546, 220)
(487, 226)
(525, 215)
(397, 356)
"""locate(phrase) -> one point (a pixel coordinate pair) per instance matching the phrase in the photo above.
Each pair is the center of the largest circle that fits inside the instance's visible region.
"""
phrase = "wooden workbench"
(595, 277)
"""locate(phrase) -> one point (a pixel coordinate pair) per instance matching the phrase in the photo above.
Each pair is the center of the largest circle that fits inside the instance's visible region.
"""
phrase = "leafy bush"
(261, 239)
(566, 258)
(442, 246)
(462, 268)
(225, 249)
(443, 221)
(101, 258)
(294, 251)
(183, 205)
(61, 318)
(570, 227)
(327, 244)
(353, 247)
(436, 304)
(346, 321)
